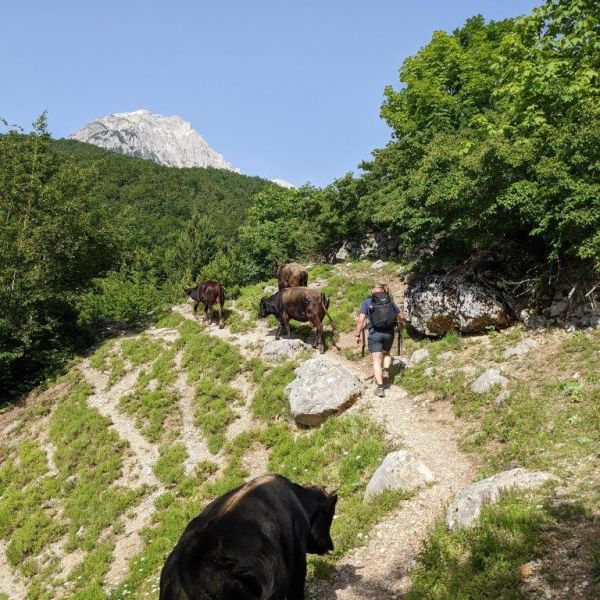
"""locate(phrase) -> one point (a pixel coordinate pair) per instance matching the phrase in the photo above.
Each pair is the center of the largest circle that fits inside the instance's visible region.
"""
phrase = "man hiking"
(382, 314)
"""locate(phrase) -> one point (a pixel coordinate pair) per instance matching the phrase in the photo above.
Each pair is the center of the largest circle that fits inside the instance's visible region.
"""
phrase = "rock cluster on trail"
(571, 306)
(322, 388)
(372, 245)
(466, 506)
(487, 380)
(438, 304)
(400, 470)
(283, 349)
(520, 348)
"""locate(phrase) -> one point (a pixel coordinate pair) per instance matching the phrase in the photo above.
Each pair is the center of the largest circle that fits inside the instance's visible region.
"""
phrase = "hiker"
(382, 315)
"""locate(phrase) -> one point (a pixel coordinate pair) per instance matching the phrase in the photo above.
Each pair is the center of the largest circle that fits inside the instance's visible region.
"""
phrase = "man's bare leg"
(377, 372)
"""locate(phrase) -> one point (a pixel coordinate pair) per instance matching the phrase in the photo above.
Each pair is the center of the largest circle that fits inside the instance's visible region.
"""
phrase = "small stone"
(527, 570)
(445, 356)
(378, 264)
(486, 381)
(283, 349)
(429, 372)
(520, 348)
(418, 356)
(501, 398)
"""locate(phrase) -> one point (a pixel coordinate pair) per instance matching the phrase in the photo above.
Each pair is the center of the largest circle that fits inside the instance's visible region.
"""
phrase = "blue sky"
(281, 88)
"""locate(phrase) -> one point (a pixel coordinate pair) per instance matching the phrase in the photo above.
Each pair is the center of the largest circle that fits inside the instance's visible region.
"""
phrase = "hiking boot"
(379, 391)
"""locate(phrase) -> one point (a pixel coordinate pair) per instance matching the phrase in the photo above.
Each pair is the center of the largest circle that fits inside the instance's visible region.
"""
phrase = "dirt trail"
(190, 435)
(11, 582)
(105, 401)
(380, 568)
(130, 543)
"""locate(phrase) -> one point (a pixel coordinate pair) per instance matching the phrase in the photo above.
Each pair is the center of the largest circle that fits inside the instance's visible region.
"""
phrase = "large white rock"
(520, 348)
(283, 349)
(166, 140)
(322, 388)
(438, 304)
(487, 380)
(466, 506)
(399, 470)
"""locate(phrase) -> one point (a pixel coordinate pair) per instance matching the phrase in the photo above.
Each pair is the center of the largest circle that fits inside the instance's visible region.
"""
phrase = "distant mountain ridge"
(166, 140)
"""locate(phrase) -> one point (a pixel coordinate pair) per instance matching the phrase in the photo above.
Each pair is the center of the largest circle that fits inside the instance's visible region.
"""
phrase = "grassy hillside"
(89, 510)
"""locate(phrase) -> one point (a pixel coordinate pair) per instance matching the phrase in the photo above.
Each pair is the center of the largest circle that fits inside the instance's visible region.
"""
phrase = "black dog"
(251, 543)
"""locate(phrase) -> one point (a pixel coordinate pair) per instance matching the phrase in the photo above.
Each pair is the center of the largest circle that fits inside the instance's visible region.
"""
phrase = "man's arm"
(360, 323)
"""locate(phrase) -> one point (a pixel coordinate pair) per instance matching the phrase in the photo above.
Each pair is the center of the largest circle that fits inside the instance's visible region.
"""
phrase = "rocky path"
(380, 568)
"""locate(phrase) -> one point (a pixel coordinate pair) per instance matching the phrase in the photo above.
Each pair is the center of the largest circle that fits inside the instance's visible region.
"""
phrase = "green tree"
(495, 155)
(53, 243)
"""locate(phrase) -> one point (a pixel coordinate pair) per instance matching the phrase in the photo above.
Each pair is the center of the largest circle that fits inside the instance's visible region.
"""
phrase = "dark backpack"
(382, 313)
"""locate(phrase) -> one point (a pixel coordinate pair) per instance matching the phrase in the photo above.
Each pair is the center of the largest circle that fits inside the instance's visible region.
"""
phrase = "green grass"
(79, 504)
(269, 401)
(140, 350)
(345, 296)
(214, 412)
(150, 409)
(482, 562)
(89, 457)
(169, 468)
(99, 358)
(170, 320)
(207, 356)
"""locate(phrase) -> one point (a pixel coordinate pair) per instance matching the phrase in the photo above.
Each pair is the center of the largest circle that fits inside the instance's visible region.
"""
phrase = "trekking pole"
(400, 326)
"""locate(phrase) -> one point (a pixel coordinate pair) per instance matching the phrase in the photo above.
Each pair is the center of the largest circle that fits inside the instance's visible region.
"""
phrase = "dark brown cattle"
(251, 543)
(208, 293)
(301, 304)
(291, 275)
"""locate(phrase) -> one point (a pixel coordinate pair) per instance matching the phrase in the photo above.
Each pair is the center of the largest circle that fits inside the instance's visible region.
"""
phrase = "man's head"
(378, 288)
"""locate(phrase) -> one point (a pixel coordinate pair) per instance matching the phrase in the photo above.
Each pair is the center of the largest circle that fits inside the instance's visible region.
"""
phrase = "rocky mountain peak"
(166, 140)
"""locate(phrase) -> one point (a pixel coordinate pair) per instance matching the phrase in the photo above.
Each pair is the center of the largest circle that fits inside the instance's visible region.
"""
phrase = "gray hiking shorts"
(381, 341)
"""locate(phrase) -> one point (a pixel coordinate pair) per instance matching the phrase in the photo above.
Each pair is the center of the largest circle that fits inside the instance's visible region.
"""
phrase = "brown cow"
(300, 303)
(291, 275)
(208, 293)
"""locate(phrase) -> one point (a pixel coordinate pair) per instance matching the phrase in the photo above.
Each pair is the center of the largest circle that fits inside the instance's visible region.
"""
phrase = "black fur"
(251, 543)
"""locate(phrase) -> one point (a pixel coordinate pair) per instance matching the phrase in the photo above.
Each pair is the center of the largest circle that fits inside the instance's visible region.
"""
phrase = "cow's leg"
(279, 330)
(196, 307)
(285, 323)
(221, 320)
(296, 590)
(210, 314)
(318, 343)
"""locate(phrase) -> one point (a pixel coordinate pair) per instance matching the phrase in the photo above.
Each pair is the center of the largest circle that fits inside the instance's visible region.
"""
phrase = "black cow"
(251, 543)
(208, 293)
(301, 304)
